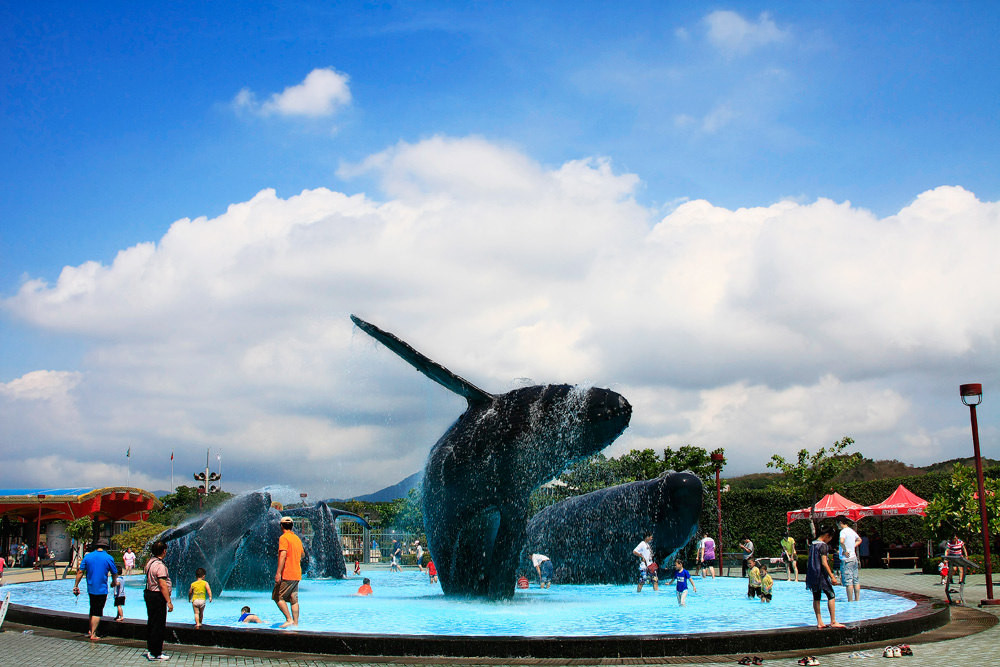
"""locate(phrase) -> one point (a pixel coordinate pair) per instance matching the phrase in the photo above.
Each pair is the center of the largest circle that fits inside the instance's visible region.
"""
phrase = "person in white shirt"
(647, 568)
(543, 566)
(849, 542)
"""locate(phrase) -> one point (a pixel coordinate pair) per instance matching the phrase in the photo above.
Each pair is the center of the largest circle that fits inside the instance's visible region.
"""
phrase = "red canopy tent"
(902, 502)
(831, 505)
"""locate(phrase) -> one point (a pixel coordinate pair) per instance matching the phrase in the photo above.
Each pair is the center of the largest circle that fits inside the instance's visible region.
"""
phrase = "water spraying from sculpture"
(482, 471)
(590, 538)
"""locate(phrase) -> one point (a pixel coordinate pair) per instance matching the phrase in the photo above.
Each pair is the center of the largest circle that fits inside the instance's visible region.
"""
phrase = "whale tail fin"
(431, 369)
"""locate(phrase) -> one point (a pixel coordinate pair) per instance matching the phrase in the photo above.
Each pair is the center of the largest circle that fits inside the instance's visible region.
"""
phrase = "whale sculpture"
(237, 544)
(211, 541)
(590, 538)
(481, 472)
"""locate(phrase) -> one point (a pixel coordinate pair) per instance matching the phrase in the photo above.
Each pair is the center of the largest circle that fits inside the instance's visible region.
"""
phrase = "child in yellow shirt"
(766, 583)
(197, 593)
(753, 578)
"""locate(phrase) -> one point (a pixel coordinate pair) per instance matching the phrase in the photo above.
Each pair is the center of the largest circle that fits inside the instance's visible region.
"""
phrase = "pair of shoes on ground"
(809, 660)
(747, 660)
(897, 651)
(162, 656)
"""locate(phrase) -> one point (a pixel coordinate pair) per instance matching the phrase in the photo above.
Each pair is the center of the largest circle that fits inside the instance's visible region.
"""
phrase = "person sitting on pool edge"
(247, 617)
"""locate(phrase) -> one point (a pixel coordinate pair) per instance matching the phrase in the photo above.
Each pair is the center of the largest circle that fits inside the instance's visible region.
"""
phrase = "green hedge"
(760, 513)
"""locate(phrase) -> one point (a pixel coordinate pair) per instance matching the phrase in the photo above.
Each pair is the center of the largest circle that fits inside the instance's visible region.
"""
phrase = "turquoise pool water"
(405, 603)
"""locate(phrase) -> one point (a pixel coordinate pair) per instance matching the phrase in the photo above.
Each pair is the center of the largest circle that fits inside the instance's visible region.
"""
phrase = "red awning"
(902, 502)
(117, 503)
(831, 505)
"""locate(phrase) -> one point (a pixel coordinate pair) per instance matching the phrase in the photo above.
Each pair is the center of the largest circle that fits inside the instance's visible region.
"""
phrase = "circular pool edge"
(927, 614)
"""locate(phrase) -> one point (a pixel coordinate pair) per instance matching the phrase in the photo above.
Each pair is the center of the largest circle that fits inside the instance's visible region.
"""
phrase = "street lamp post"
(717, 459)
(38, 527)
(205, 478)
(972, 395)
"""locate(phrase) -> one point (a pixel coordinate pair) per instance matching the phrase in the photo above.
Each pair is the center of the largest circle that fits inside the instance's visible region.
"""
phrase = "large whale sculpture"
(481, 472)
(590, 538)
(237, 544)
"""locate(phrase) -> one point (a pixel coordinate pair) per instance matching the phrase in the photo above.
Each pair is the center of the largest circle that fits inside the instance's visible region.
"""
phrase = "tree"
(695, 459)
(80, 531)
(955, 508)
(811, 474)
(138, 536)
(183, 503)
(410, 518)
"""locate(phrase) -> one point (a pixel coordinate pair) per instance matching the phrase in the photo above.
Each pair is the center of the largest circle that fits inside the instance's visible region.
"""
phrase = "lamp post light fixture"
(206, 478)
(718, 458)
(972, 395)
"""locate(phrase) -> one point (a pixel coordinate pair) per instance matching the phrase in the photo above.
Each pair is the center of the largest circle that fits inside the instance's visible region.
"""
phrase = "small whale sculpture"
(481, 472)
(237, 544)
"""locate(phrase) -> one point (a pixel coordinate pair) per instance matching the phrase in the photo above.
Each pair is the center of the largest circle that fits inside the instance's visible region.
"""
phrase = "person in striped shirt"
(956, 548)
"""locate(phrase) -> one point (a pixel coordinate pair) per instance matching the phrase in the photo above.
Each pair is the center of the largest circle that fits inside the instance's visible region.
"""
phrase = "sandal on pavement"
(757, 660)
(745, 660)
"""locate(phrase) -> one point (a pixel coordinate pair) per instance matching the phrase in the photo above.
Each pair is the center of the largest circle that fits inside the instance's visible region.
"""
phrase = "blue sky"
(120, 119)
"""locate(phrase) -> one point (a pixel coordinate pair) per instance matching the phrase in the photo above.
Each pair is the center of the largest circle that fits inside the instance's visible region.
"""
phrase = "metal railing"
(375, 546)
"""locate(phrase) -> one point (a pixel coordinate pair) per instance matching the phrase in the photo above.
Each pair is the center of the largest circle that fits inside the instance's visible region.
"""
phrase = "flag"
(171, 456)
(128, 453)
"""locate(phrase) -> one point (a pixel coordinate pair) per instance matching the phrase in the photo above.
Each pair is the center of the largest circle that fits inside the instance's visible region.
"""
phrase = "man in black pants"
(157, 597)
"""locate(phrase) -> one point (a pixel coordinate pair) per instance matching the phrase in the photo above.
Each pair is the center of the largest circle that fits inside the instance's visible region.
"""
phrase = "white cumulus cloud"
(733, 34)
(760, 329)
(321, 94)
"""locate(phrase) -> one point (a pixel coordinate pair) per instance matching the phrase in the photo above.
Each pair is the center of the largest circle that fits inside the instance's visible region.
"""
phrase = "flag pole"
(171, 472)
(128, 458)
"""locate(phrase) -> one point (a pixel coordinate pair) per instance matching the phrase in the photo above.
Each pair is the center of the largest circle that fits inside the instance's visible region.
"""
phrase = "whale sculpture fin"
(349, 516)
(431, 369)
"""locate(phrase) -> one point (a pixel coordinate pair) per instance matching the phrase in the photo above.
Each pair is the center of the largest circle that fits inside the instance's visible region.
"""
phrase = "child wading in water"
(197, 594)
(365, 588)
(432, 571)
(753, 578)
(766, 583)
(683, 578)
(120, 597)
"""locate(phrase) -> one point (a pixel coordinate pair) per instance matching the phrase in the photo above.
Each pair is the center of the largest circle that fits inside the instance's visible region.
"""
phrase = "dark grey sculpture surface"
(481, 472)
(590, 538)
(237, 544)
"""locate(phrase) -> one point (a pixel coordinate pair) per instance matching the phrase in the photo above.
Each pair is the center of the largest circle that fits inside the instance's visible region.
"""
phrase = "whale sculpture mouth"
(609, 406)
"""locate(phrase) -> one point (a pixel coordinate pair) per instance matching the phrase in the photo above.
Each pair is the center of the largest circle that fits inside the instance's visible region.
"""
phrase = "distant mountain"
(970, 462)
(398, 490)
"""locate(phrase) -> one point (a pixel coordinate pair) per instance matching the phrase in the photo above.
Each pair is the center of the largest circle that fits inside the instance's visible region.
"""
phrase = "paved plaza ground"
(21, 646)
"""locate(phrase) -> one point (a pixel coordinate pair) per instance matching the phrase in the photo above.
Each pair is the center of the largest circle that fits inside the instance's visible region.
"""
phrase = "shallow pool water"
(405, 603)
